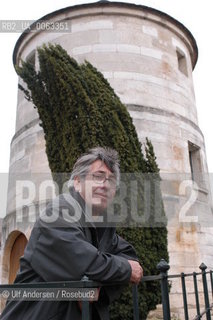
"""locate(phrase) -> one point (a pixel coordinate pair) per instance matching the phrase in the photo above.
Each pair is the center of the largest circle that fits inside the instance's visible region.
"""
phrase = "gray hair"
(107, 155)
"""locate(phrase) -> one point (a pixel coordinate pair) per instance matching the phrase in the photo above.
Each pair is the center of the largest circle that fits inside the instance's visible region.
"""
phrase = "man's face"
(99, 186)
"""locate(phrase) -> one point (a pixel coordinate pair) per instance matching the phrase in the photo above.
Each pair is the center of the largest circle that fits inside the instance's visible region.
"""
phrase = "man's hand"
(137, 271)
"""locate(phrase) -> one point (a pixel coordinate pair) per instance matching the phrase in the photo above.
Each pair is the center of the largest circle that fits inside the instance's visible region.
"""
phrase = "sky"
(195, 15)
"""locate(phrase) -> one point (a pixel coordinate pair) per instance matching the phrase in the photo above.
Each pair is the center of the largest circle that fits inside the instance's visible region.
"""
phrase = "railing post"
(205, 290)
(85, 305)
(196, 294)
(185, 305)
(211, 279)
(163, 267)
(135, 302)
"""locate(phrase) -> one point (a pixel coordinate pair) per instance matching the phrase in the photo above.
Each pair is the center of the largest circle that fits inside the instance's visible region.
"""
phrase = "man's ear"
(77, 184)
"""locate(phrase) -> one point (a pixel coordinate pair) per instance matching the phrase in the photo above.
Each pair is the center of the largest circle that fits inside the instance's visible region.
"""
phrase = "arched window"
(16, 252)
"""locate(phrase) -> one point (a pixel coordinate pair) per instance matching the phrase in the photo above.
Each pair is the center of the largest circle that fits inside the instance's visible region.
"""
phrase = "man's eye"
(99, 176)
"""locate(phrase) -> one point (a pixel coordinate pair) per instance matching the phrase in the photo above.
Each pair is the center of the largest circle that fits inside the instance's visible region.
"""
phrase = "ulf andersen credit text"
(90, 294)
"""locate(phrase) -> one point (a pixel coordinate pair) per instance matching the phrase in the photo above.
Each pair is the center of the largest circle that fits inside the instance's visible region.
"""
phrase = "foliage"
(78, 110)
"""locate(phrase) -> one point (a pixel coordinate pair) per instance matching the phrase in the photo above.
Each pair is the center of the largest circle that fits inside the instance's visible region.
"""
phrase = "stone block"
(150, 31)
(104, 48)
(70, 41)
(81, 50)
(92, 25)
(128, 48)
(153, 53)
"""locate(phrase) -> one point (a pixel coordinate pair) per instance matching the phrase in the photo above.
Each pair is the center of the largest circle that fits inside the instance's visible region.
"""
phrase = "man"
(66, 244)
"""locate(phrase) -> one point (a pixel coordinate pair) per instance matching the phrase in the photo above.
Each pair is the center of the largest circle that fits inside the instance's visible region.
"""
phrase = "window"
(182, 64)
(195, 163)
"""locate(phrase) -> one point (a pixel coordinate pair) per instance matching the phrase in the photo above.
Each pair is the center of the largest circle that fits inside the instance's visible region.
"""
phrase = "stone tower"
(148, 58)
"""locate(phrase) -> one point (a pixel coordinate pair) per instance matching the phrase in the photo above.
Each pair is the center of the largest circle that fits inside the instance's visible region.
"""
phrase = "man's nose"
(105, 184)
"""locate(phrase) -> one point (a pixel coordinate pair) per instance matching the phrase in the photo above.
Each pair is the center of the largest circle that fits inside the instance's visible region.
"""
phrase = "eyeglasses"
(101, 178)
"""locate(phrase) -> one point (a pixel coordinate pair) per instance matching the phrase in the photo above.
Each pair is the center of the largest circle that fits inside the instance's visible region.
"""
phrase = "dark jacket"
(66, 250)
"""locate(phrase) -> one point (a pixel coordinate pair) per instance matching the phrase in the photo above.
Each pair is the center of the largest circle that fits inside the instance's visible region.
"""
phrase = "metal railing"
(163, 267)
(163, 277)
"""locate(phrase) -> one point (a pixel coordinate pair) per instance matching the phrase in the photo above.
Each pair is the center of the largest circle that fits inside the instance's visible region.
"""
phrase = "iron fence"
(163, 277)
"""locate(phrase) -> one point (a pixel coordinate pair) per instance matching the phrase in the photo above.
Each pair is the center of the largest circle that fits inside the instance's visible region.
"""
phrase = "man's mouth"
(101, 195)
